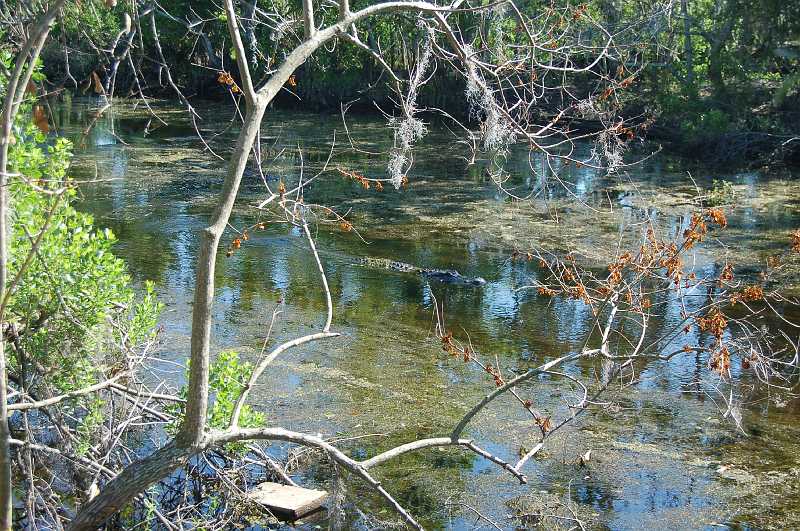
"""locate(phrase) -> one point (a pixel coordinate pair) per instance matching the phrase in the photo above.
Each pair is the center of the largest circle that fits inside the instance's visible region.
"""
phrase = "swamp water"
(664, 459)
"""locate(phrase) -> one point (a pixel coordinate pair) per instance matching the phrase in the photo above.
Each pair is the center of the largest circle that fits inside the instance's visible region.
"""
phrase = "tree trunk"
(138, 476)
(191, 438)
(717, 45)
(134, 480)
(688, 49)
(196, 408)
(249, 27)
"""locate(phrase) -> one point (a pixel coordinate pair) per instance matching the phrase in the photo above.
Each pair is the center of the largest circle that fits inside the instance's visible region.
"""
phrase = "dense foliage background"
(721, 73)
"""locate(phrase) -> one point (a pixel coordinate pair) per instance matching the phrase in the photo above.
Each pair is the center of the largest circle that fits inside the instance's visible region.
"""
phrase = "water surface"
(663, 458)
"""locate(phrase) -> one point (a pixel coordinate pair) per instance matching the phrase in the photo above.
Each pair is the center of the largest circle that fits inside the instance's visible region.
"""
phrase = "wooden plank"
(287, 501)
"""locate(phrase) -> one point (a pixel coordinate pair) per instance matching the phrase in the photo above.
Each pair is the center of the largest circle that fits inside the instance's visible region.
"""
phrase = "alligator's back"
(447, 276)
(391, 265)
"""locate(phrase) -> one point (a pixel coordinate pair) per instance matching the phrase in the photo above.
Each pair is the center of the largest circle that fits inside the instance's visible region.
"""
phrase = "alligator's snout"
(478, 281)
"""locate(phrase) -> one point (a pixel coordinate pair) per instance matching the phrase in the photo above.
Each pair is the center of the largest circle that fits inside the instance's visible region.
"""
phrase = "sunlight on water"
(387, 374)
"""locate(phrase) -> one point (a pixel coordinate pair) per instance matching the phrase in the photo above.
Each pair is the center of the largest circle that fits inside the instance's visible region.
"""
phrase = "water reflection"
(159, 194)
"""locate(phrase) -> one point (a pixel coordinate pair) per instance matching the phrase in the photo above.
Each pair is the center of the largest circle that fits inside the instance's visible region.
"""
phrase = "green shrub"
(72, 317)
(228, 376)
(74, 305)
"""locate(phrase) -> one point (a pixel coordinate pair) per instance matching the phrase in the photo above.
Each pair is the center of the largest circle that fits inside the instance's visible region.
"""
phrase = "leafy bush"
(227, 379)
(789, 84)
(73, 305)
(72, 317)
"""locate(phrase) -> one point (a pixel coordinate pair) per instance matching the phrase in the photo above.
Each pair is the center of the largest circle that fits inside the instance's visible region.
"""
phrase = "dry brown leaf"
(98, 86)
(40, 118)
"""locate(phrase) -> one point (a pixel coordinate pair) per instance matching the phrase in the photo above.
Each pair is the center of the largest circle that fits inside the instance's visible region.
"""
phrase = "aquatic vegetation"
(721, 193)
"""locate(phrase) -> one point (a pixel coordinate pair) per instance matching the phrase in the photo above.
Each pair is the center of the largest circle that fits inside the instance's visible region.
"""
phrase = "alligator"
(447, 276)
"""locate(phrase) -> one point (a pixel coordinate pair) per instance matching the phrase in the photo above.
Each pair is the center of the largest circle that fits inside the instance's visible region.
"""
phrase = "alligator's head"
(449, 276)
